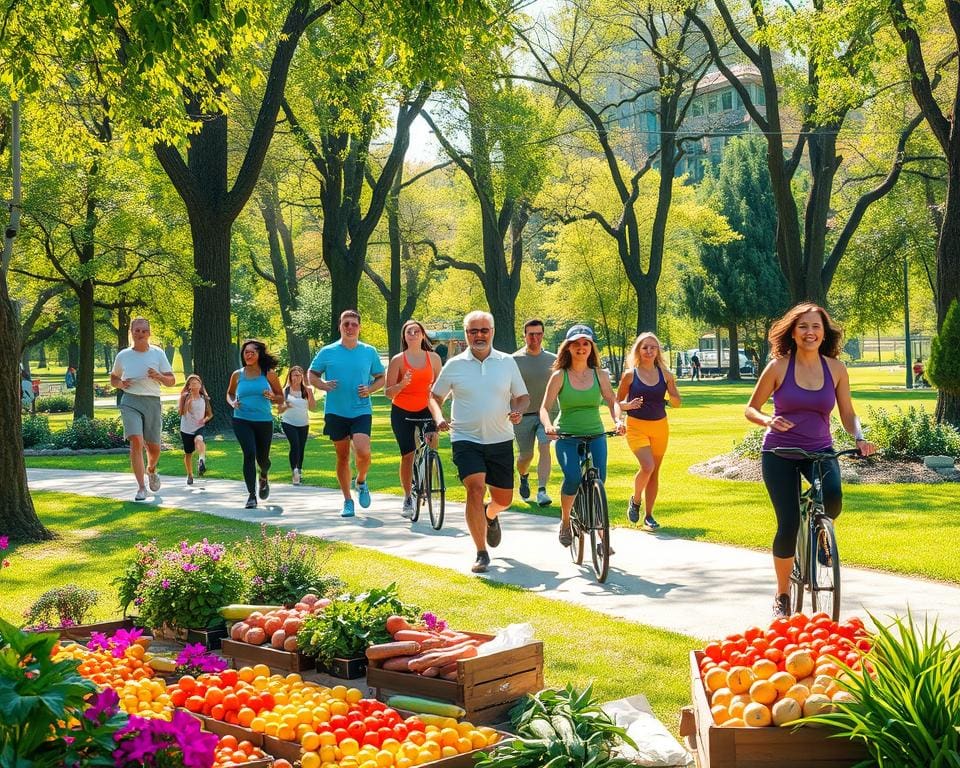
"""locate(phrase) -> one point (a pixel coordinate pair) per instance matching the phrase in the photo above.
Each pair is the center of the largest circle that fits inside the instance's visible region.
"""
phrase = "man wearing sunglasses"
(489, 398)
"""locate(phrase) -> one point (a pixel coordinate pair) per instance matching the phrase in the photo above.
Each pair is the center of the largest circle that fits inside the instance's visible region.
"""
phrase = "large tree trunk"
(41, 356)
(73, 354)
(83, 400)
(186, 352)
(948, 265)
(646, 305)
(733, 370)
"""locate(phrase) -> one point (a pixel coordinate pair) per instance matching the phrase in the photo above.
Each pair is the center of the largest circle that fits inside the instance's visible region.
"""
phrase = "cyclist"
(580, 386)
(409, 378)
(807, 380)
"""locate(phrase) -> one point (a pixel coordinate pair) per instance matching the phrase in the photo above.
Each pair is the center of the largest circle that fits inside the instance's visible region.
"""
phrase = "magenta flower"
(4, 542)
(98, 642)
(165, 583)
(104, 704)
(190, 567)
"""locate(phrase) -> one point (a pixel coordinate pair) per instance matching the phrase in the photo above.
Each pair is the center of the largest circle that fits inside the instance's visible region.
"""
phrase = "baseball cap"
(580, 332)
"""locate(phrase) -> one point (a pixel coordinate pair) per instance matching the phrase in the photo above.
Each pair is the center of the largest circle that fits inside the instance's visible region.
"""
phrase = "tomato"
(724, 665)
(354, 717)
(752, 634)
(267, 698)
(798, 620)
(774, 654)
(340, 734)
(391, 717)
(789, 648)
(415, 724)
(820, 615)
(255, 703)
(820, 634)
(830, 650)
(780, 625)
(400, 731)
(377, 706)
(338, 721)
(229, 677)
(712, 651)
(816, 645)
(779, 643)
(385, 732)
(761, 644)
(356, 729)
(726, 648)
(736, 658)
(372, 738)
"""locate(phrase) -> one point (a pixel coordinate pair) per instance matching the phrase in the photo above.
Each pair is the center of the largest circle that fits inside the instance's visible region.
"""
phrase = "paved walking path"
(696, 588)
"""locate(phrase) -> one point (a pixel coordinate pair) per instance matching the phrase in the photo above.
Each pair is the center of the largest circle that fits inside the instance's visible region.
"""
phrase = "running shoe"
(482, 562)
(566, 535)
(650, 524)
(493, 530)
(264, 488)
(251, 502)
(525, 487)
(363, 495)
(408, 510)
(781, 606)
(296, 477)
(141, 494)
(543, 499)
(633, 511)
(600, 549)
(190, 480)
(201, 467)
(347, 510)
(153, 480)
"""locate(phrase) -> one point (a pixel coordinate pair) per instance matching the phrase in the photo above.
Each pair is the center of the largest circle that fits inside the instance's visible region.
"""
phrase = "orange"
(756, 715)
(245, 716)
(764, 669)
(763, 692)
(246, 674)
(310, 760)
(261, 670)
(715, 679)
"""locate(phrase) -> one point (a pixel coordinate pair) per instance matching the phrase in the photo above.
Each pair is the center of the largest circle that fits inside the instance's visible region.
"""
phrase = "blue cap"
(580, 331)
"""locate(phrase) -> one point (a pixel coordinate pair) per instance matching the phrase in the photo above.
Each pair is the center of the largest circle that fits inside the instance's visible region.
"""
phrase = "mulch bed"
(729, 466)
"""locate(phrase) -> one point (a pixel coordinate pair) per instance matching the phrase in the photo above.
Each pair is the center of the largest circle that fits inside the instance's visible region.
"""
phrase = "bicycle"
(428, 485)
(816, 564)
(590, 514)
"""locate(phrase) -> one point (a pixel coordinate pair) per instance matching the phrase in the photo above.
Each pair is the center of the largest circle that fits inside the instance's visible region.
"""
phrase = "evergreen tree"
(739, 281)
(944, 367)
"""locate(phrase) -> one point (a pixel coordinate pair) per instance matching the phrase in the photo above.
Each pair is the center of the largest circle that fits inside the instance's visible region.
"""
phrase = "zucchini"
(429, 706)
(240, 611)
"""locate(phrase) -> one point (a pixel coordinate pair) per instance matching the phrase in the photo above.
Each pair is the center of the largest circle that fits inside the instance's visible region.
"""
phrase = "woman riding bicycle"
(806, 380)
(409, 378)
(580, 387)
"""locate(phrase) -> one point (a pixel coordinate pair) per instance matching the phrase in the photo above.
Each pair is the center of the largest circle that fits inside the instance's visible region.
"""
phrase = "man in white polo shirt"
(489, 397)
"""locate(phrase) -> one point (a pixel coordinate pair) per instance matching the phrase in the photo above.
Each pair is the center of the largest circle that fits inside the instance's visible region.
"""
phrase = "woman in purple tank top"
(806, 380)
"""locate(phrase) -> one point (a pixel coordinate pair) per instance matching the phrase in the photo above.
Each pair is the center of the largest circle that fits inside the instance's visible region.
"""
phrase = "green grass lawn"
(899, 528)
(97, 538)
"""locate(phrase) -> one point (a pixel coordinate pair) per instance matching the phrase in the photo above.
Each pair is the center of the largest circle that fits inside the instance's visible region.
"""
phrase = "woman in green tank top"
(580, 387)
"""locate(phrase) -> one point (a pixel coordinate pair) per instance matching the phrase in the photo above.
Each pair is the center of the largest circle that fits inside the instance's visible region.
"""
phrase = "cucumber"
(429, 706)
(240, 611)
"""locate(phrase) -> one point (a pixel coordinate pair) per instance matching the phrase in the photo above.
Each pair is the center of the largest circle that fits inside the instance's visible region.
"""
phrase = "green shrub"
(943, 368)
(912, 434)
(171, 422)
(35, 430)
(750, 446)
(90, 433)
(55, 404)
(63, 606)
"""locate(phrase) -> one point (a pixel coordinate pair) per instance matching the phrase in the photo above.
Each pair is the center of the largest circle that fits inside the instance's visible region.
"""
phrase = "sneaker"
(363, 495)
(251, 502)
(633, 511)
(525, 487)
(347, 510)
(566, 535)
(407, 508)
(296, 477)
(141, 494)
(650, 524)
(482, 562)
(190, 480)
(543, 499)
(610, 550)
(201, 467)
(781, 606)
(153, 480)
(493, 530)
(264, 488)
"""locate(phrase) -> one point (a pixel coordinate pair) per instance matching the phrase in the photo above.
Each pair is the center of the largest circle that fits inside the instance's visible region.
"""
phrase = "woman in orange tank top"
(409, 378)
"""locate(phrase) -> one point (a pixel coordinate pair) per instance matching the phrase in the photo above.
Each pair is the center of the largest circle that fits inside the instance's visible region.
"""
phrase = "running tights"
(254, 438)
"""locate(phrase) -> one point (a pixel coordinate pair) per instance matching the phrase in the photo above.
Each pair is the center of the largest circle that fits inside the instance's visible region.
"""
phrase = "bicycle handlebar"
(799, 453)
(569, 435)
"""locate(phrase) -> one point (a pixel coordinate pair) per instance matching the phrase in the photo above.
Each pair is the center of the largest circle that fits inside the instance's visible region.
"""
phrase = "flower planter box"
(246, 655)
(81, 632)
(770, 747)
(486, 686)
(209, 638)
(345, 669)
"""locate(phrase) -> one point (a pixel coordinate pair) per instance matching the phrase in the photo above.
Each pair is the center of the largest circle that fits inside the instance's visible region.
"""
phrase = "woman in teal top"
(580, 387)
(251, 393)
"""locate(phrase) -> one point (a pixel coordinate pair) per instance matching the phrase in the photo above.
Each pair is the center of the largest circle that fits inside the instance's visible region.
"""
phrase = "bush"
(750, 446)
(90, 433)
(912, 434)
(943, 369)
(171, 422)
(55, 404)
(64, 606)
(36, 431)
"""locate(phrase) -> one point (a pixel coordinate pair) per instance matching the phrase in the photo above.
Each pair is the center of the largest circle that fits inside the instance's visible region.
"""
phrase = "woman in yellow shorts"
(644, 390)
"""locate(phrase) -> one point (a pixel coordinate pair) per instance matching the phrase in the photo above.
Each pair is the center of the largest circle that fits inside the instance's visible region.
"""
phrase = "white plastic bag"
(656, 746)
(513, 636)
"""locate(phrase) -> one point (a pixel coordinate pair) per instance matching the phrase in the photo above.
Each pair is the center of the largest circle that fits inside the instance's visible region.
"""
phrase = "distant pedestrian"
(489, 398)
(349, 371)
(536, 367)
(441, 350)
(195, 411)
(27, 398)
(918, 379)
(138, 371)
(252, 391)
(695, 367)
(295, 409)
(70, 377)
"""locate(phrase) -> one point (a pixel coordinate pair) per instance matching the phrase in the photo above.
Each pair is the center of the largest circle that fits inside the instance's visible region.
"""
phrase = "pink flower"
(165, 583)
(4, 542)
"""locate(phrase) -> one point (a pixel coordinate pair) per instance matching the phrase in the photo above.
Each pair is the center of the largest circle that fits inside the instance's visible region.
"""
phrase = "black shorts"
(190, 441)
(339, 428)
(405, 431)
(494, 460)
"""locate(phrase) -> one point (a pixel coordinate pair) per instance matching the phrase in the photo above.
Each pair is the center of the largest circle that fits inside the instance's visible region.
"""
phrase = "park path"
(695, 588)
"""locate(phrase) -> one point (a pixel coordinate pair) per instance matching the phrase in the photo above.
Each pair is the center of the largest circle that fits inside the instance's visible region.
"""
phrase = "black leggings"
(297, 439)
(254, 438)
(782, 478)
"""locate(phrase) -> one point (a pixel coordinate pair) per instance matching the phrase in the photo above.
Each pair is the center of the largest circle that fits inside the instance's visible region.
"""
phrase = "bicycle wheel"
(798, 577)
(577, 517)
(416, 487)
(435, 490)
(825, 569)
(599, 531)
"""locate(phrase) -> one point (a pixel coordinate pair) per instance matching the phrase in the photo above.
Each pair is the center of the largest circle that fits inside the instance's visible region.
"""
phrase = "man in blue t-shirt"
(349, 371)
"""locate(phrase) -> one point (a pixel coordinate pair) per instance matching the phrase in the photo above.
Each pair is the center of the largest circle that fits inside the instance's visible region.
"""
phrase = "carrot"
(443, 657)
(397, 664)
(450, 675)
(431, 672)
(451, 667)
(395, 623)
(389, 650)
(413, 634)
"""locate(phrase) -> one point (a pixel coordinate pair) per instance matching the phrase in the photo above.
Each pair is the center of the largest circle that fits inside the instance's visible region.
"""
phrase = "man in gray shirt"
(536, 365)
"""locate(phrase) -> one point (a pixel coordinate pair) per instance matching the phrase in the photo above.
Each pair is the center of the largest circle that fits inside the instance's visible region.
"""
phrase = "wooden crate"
(82, 632)
(245, 655)
(227, 729)
(287, 750)
(486, 686)
(770, 747)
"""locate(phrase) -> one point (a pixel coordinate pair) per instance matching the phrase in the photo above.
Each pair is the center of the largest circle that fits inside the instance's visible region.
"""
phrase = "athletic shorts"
(642, 433)
(141, 417)
(190, 441)
(339, 428)
(405, 431)
(494, 460)
(527, 431)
